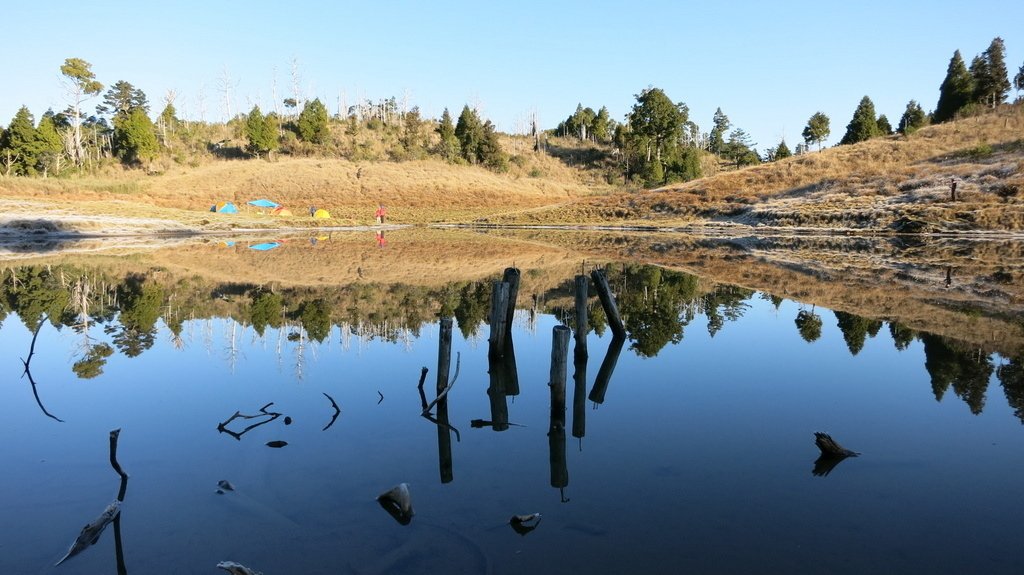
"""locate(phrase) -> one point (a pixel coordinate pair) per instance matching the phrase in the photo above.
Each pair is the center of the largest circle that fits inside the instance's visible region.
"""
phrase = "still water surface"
(699, 456)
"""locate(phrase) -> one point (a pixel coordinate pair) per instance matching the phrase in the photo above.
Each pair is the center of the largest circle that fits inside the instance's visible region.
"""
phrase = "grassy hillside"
(871, 185)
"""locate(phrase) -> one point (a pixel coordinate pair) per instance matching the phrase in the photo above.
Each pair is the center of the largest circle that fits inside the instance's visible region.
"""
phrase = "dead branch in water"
(271, 415)
(337, 412)
(451, 384)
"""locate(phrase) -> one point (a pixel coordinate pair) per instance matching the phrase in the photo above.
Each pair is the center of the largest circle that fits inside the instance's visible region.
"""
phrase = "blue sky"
(768, 65)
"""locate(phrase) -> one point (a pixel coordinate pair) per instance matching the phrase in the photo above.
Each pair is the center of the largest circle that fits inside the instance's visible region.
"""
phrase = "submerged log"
(236, 568)
(90, 534)
(830, 448)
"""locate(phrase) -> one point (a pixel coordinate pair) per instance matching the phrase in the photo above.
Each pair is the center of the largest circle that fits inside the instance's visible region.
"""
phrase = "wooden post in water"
(444, 354)
(608, 303)
(604, 373)
(582, 322)
(579, 397)
(499, 315)
(556, 430)
(511, 277)
(444, 434)
(496, 393)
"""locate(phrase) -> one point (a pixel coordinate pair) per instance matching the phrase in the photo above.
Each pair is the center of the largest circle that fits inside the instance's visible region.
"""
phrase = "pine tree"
(261, 132)
(19, 147)
(864, 124)
(991, 79)
(884, 127)
(782, 151)
(135, 137)
(470, 133)
(912, 119)
(448, 147)
(490, 153)
(1018, 80)
(716, 139)
(121, 99)
(602, 123)
(51, 145)
(82, 84)
(817, 129)
(313, 122)
(955, 92)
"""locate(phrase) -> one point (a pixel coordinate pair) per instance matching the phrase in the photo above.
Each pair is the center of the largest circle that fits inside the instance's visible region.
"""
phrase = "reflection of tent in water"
(265, 246)
(321, 214)
(262, 203)
(224, 208)
(281, 211)
(227, 244)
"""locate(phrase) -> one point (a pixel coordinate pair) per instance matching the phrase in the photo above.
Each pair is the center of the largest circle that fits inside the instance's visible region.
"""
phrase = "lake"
(688, 446)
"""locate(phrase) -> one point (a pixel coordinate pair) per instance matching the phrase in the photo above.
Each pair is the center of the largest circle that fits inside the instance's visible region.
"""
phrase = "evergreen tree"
(912, 119)
(864, 124)
(470, 133)
(884, 127)
(656, 129)
(313, 122)
(448, 147)
(817, 129)
(135, 137)
(490, 153)
(51, 145)
(740, 149)
(20, 146)
(261, 133)
(991, 79)
(601, 130)
(782, 151)
(955, 92)
(1018, 80)
(716, 139)
(121, 99)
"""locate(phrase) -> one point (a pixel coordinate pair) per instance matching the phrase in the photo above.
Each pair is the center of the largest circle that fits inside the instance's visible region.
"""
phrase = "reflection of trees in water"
(1011, 377)
(856, 329)
(656, 304)
(902, 336)
(967, 371)
(808, 324)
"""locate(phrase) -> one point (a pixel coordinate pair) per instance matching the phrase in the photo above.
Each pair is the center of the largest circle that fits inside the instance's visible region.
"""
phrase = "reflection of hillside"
(877, 278)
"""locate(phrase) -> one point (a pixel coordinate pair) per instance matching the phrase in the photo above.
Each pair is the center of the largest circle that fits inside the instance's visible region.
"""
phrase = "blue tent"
(263, 204)
(224, 208)
(264, 247)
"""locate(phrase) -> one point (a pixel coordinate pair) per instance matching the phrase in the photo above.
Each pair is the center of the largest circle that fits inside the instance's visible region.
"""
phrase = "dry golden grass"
(867, 185)
(415, 192)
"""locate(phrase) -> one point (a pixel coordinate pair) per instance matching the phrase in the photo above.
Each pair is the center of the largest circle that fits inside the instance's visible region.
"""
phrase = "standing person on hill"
(380, 214)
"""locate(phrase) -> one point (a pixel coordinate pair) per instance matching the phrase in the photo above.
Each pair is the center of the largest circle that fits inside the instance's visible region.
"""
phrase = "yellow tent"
(321, 214)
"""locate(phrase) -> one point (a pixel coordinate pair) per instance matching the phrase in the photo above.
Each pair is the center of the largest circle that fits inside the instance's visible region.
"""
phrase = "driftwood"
(337, 412)
(451, 384)
(270, 415)
(90, 534)
(28, 372)
(830, 448)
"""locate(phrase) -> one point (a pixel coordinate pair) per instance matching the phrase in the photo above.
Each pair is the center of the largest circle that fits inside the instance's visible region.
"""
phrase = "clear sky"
(768, 65)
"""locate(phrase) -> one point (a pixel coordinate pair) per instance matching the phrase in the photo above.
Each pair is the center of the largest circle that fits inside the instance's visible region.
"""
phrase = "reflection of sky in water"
(699, 459)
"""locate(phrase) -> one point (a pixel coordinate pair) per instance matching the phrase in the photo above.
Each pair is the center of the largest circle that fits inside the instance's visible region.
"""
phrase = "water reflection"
(656, 305)
(740, 397)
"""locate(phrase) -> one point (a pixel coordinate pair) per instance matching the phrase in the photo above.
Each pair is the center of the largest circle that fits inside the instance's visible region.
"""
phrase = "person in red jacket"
(380, 214)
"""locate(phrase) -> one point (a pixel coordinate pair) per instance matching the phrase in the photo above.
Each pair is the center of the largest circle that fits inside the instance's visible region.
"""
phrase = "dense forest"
(121, 314)
(656, 143)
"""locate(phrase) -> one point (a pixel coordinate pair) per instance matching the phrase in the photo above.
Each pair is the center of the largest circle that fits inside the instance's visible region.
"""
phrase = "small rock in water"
(225, 485)
(276, 443)
(287, 420)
